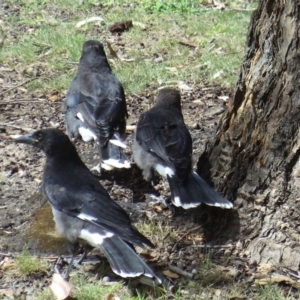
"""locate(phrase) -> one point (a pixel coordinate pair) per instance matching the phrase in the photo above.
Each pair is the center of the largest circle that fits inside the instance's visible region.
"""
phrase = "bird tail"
(113, 155)
(193, 191)
(122, 258)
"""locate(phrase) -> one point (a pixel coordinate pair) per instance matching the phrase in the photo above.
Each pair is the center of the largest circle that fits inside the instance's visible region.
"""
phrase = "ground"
(212, 270)
(25, 216)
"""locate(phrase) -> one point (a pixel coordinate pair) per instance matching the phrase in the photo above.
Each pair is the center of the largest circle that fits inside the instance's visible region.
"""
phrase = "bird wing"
(164, 134)
(90, 202)
(73, 124)
(102, 104)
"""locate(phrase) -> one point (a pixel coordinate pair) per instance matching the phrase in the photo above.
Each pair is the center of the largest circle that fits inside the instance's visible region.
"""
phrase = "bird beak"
(27, 139)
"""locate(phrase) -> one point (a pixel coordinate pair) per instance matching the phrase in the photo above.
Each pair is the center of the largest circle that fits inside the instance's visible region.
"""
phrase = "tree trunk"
(254, 158)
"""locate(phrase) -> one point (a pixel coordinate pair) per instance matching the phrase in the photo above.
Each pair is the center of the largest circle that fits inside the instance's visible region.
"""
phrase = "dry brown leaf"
(263, 270)
(113, 297)
(7, 293)
(60, 287)
(8, 264)
(54, 98)
(152, 254)
(157, 208)
(277, 278)
(170, 274)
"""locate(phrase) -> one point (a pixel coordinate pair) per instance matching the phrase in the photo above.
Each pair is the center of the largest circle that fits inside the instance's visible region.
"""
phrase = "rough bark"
(254, 157)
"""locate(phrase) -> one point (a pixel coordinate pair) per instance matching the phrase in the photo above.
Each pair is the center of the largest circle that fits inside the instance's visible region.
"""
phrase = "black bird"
(163, 144)
(83, 211)
(95, 106)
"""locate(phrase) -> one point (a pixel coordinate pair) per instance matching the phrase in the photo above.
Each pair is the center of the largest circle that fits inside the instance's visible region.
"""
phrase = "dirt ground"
(25, 218)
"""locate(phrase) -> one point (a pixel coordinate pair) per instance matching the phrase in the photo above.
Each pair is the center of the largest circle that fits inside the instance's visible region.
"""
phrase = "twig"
(193, 229)
(168, 233)
(180, 271)
(210, 246)
(292, 274)
(6, 254)
(20, 84)
(16, 127)
(21, 101)
(240, 9)
(188, 43)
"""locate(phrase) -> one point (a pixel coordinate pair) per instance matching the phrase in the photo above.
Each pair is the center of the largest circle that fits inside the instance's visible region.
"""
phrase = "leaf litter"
(177, 254)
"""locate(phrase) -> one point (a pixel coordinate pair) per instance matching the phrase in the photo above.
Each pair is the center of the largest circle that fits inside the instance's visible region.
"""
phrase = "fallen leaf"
(7, 292)
(170, 274)
(277, 278)
(263, 270)
(157, 208)
(142, 25)
(54, 98)
(152, 254)
(8, 264)
(97, 20)
(60, 287)
(113, 297)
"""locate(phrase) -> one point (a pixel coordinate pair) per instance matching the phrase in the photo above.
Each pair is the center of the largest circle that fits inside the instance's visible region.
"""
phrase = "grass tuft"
(27, 264)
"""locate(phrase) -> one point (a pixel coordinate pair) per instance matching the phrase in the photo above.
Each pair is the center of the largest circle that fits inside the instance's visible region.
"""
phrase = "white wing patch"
(118, 143)
(164, 171)
(86, 217)
(116, 163)
(94, 239)
(86, 134)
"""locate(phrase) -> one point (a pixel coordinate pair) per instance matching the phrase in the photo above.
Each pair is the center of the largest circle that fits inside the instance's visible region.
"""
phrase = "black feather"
(81, 205)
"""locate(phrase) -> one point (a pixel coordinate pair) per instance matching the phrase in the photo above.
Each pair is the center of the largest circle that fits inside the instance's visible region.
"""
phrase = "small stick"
(180, 271)
(210, 246)
(6, 254)
(20, 84)
(292, 274)
(20, 101)
(168, 233)
(17, 127)
(187, 43)
(176, 244)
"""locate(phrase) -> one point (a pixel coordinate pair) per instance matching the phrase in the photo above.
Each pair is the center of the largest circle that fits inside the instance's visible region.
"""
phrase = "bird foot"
(158, 200)
(163, 201)
(97, 168)
(58, 266)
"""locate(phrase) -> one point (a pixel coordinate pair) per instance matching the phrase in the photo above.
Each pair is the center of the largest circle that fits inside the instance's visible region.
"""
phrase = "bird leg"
(97, 168)
(158, 200)
(165, 202)
(86, 250)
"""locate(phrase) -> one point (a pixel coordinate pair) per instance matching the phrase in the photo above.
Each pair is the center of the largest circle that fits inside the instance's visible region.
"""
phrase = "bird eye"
(39, 136)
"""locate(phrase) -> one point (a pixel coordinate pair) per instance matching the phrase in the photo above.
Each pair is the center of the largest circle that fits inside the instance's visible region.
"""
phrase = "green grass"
(28, 265)
(84, 288)
(274, 292)
(49, 44)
